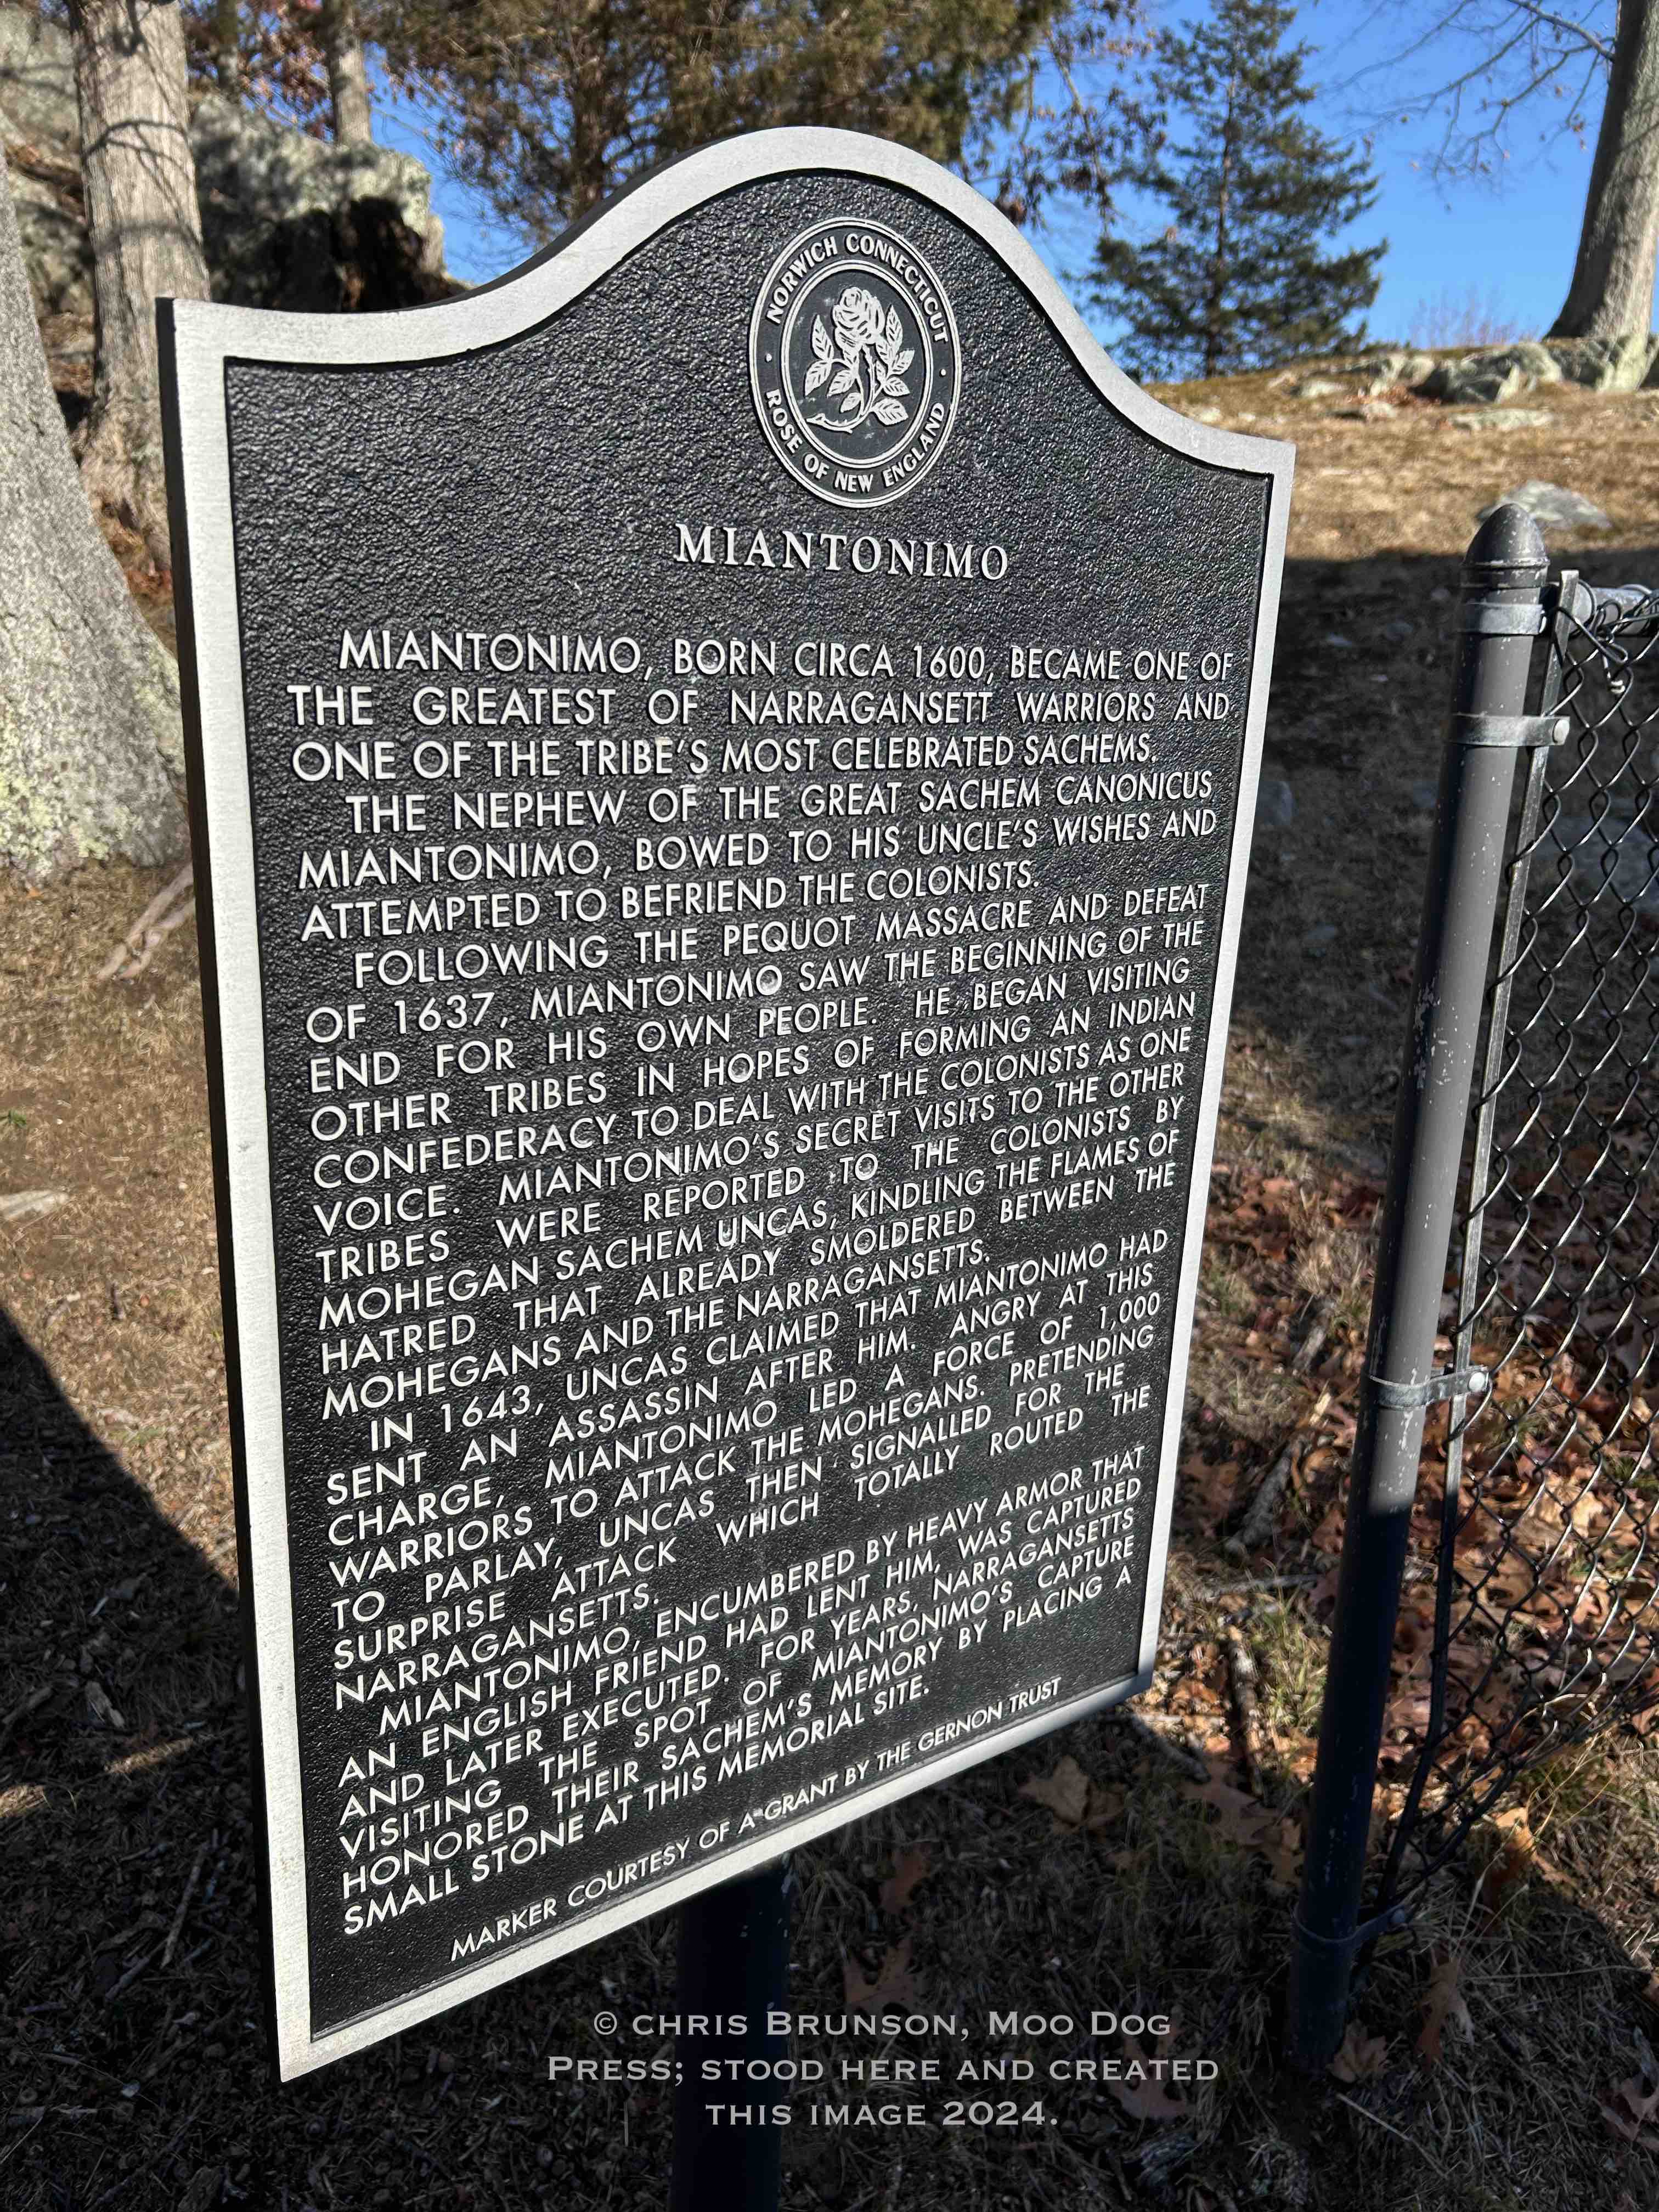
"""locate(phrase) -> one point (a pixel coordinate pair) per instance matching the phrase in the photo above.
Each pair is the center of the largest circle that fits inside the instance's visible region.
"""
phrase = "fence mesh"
(1544, 1619)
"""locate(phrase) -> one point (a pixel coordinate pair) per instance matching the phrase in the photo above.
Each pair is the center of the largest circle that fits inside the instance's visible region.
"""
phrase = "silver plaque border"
(198, 340)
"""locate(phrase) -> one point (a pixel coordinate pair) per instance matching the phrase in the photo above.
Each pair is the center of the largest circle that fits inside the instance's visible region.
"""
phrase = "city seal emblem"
(853, 358)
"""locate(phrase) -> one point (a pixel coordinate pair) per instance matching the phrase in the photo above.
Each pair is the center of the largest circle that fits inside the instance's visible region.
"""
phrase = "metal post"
(733, 1970)
(1502, 617)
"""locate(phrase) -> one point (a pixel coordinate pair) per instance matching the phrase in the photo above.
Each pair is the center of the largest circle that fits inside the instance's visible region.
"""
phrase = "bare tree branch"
(1525, 49)
(1083, 115)
(1567, 26)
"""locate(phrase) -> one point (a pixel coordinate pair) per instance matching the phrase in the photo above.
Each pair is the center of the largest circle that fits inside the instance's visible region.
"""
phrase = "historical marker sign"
(724, 768)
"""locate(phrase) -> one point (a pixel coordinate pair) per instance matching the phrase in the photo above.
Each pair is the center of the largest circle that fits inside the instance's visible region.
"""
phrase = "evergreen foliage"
(1239, 277)
(547, 106)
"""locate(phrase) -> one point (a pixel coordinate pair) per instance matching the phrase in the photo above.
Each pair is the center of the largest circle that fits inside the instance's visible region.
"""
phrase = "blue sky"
(1508, 243)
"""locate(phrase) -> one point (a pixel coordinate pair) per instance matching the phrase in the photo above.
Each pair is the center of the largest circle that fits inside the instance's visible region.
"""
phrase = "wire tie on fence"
(1516, 732)
(1503, 618)
(1450, 1383)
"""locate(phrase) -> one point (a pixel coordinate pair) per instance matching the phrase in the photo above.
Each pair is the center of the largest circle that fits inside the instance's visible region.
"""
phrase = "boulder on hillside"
(1554, 505)
(1476, 380)
(292, 221)
(1535, 361)
(1495, 373)
(1602, 364)
(1389, 368)
(1500, 422)
(286, 221)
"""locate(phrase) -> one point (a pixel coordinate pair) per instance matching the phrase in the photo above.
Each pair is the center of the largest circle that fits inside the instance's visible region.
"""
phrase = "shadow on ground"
(137, 2068)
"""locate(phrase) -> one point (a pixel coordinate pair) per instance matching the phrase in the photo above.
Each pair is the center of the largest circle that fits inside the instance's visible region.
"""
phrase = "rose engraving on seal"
(855, 362)
(864, 363)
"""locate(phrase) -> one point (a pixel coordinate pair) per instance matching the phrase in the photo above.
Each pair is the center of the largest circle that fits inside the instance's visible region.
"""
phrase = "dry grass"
(136, 2075)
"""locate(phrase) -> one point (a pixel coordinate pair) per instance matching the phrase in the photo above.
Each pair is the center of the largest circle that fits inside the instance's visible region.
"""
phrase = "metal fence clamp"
(1518, 731)
(1450, 1383)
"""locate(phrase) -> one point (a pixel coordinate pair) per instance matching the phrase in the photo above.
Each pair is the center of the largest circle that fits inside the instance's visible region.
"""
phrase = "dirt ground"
(1127, 1864)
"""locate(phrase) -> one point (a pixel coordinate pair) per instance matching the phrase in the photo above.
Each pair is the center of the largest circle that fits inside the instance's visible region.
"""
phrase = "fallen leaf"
(1627, 2130)
(1208, 1494)
(1510, 1865)
(1442, 2000)
(1065, 1792)
(1105, 1809)
(1283, 1853)
(1140, 2089)
(1323, 1592)
(104, 1714)
(1640, 2102)
(911, 1868)
(1413, 1634)
(1361, 2056)
(1252, 1825)
(894, 1985)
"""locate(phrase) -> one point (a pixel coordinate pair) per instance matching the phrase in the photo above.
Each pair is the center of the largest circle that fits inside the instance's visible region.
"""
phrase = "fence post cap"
(1508, 539)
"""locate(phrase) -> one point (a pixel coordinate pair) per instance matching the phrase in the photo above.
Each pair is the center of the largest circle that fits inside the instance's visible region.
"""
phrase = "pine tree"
(1238, 278)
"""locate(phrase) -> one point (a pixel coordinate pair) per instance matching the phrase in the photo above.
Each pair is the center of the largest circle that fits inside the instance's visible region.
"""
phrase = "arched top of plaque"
(779, 539)
(871, 289)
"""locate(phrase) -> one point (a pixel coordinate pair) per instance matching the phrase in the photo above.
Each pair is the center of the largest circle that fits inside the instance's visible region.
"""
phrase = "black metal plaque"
(723, 775)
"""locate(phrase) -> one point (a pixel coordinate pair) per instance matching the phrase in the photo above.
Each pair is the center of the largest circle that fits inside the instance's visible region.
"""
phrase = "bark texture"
(91, 758)
(348, 74)
(140, 178)
(1611, 291)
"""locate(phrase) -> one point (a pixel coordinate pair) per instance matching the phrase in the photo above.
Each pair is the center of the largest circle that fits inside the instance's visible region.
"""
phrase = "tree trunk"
(348, 74)
(1219, 271)
(227, 48)
(1612, 293)
(91, 759)
(140, 179)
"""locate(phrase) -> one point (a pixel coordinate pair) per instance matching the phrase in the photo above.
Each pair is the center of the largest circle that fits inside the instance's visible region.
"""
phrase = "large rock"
(1500, 421)
(286, 221)
(1389, 368)
(1476, 380)
(40, 135)
(1535, 361)
(290, 222)
(1553, 503)
(1602, 364)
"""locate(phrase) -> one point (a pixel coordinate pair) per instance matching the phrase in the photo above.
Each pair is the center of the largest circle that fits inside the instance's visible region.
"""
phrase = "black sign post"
(733, 1967)
(723, 768)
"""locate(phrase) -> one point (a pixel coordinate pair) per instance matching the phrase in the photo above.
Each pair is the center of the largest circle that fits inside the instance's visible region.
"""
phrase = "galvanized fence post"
(1502, 617)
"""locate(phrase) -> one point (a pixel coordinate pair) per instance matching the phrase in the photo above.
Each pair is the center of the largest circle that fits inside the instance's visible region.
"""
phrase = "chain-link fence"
(1546, 1623)
(1506, 1427)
